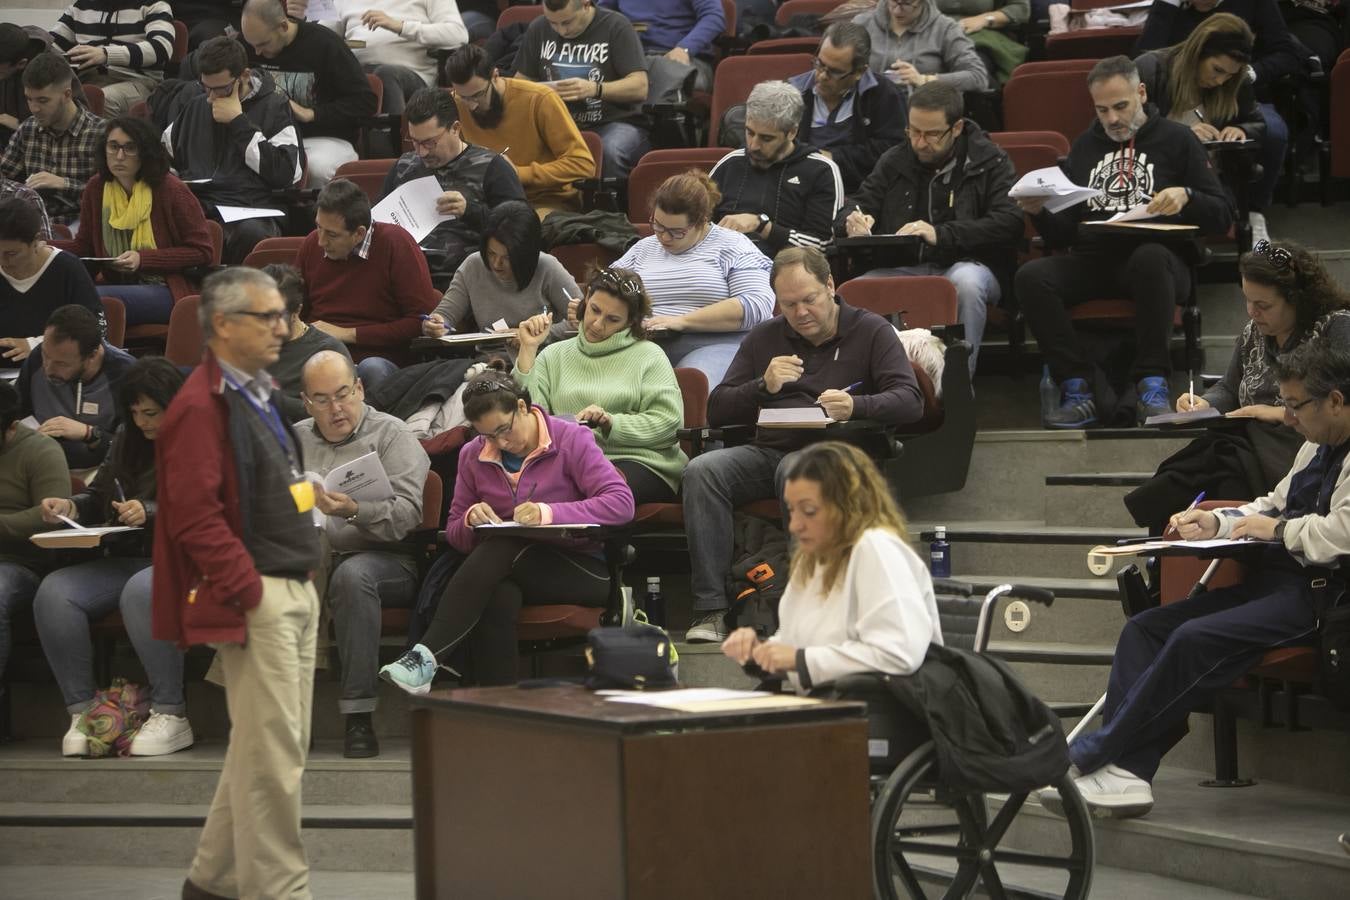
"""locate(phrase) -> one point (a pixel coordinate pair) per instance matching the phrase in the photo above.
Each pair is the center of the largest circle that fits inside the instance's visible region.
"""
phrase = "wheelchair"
(930, 841)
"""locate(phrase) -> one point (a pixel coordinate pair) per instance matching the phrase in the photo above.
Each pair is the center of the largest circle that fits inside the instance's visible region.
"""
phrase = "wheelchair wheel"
(929, 842)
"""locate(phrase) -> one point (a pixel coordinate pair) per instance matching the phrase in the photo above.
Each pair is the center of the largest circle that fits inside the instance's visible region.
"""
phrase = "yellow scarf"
(123, 215)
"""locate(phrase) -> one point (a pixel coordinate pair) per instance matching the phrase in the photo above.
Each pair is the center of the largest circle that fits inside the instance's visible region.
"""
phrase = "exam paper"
(794, 417)
(322, 11)
(670, 699)
(1052, 184)
(230, 214)
(412, 207)
(362, 479)
(1134, 214)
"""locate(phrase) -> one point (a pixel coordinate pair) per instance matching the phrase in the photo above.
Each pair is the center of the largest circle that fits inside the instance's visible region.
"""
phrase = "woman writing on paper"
(858, 598)
(613, 379)
(508, 280)
(122, 493)
(529, 468)
(1291, 297)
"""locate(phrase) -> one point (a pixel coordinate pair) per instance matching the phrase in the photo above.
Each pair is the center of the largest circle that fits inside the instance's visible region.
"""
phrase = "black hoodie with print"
(801, 193)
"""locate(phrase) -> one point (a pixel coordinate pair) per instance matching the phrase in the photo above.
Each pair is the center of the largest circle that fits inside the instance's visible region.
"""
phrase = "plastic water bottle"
(1049, 394)
(940, 554)
(655, 603)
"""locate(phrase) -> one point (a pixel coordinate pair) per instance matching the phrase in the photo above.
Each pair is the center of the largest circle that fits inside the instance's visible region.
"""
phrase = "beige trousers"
(250, 846)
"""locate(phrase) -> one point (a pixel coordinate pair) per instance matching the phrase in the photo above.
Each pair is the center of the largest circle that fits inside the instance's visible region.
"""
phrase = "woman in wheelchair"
(858, 598)
(527, 468)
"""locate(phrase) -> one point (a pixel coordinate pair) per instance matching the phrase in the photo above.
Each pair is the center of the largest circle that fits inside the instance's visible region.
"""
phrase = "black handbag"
(1333, 659)
(635, 657)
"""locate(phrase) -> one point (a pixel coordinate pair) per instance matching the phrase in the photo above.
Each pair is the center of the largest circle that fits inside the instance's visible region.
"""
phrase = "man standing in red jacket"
(235, 545)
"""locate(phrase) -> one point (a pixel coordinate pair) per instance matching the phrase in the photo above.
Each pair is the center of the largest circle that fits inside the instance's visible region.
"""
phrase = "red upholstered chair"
(1055, 65)
(274, 250)
(115, 312)
(1335, 159)
(790, 8)
(1048, 101)
(367, 174)
(656, 166)
(580, 259)
(923, 301)
(694, 394)
(774, 46)
(519, 15)
(93, 95)
(155, 334)
(1092, 43)
(395, 621)
(185, 341)
(737, 75)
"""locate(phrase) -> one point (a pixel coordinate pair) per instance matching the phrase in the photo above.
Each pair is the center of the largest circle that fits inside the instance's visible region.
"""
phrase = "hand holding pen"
(838, 404)
(528, 513)
(1193, 524)
(129, 512)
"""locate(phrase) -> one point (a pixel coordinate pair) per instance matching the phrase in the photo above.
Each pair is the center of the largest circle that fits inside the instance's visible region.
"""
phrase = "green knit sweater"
(32, 467)
(632, 381)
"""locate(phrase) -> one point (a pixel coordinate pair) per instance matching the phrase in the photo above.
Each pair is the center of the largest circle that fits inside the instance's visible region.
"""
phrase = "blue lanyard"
(272, 418)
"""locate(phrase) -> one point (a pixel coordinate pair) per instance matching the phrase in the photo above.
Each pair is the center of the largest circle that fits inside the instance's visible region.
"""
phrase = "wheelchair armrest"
(731, 435)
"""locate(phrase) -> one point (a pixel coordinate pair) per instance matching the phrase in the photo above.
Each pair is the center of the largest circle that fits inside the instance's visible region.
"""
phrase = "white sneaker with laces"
(709, 628)
(75, 742)
(1257, 221)
(162, 734)
(1114, 792)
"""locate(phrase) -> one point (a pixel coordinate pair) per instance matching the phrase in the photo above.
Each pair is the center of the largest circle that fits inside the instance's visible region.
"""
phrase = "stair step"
(1087, 588)
(1027, 532)
(1269, 840)
(124, 882)
(1098, 479)
(1056, 654)
(177, 815)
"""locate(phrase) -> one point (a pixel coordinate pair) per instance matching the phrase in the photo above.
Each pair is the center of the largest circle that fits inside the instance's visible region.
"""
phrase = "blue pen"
(1194, 503)
(121, 494)
(853, 387)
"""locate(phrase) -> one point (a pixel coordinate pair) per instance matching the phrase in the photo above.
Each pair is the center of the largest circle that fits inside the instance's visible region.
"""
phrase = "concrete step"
(372, 838)
(1090, 499)
(113, 882)
(1023, 547)
(1072, 620)
(33, 771)
(1269, 840)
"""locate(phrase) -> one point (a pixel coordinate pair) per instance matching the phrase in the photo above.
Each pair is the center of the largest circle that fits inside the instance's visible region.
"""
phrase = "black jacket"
(319, 71)
(1155, 71)
(1274, 55)
(880, 112)
(1162, 154)
(201, 148)
(966, 202)
(800, 194)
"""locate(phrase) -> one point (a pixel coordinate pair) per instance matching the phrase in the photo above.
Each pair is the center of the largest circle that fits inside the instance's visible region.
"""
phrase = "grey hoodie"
(935, 45)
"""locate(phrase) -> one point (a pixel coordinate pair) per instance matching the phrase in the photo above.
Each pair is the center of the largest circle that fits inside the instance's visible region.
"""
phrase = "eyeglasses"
(270, 319)
(340, 397)
(223, 90)
(1294, 407)
(430, 143)
(834, 74)
(130, 151)
(1279, 257)
(616, 280)
(929, 137)
(477, 97)
(676, 234)
(500, 434)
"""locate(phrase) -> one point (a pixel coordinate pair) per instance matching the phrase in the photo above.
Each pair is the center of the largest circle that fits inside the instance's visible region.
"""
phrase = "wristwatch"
(1279, 530)
(988, 21)
(351, 520)
(763, 220)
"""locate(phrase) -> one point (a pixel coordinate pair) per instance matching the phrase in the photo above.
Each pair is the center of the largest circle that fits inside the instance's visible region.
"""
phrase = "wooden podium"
(556, 793)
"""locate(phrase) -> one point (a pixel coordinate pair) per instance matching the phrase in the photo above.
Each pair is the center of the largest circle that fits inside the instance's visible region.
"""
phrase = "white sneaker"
(1114, 792)
(76, 742)
(162, 734)
(709, 628)
(1257, 221)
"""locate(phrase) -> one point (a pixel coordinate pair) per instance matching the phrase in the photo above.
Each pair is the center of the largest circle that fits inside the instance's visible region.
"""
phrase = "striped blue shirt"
(724, 264)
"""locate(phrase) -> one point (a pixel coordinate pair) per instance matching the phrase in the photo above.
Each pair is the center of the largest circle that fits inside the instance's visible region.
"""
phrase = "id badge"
(302, 492)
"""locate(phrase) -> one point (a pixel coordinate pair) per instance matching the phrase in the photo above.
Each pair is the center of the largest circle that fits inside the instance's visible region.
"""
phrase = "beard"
(490, 117)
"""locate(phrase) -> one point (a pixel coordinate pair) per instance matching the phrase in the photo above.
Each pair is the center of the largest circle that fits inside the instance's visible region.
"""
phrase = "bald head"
(266, 28)
(324, 364)
(271, 13)
(333, 395)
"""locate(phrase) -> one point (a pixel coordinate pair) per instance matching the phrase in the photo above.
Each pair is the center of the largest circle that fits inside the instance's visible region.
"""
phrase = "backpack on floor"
(758, 576)
(117, 714)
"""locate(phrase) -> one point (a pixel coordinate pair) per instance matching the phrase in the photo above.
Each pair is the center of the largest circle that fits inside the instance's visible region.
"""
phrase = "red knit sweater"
(182, 240)
(383, 296)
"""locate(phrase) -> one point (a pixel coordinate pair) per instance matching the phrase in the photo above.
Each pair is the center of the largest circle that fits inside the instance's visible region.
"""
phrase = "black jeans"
(646, 485)
(1151, 275)
(243, 235)
(484, 596)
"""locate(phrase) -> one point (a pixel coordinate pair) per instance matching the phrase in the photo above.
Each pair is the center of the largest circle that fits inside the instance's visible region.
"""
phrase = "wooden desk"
(555, 793)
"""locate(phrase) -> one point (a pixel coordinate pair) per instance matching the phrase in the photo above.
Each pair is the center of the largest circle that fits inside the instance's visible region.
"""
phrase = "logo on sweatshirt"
(794, 180)
(1125, 178)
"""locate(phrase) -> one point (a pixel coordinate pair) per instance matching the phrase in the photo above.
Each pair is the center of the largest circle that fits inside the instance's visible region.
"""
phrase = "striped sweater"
(138, 36)
(724, 264)
(632, 381)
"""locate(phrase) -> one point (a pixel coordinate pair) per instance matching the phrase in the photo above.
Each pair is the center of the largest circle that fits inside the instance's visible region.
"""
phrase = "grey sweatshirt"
(935, 45)
(383, 522)
(474, 289)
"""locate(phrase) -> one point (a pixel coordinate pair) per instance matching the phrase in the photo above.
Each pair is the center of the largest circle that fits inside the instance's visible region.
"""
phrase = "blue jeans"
(976, 290)
(624, 145)
(147, 304)
(18, 584)
(360, 584)
(374, 369)
(1273, 148)
(711, 352)
(714, 484)
(479, 25)
(70, 598)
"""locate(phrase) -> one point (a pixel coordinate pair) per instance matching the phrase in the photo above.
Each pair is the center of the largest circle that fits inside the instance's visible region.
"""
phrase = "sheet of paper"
(1148, 546)
(70, 522)
(230, 214)
(322, 11)
(412, 207)
(473, 337)
(97, 258)
(362, 479)
(679, 695)
(10, 375)
(1180, 418)
(1051, 183)
(77, 537)
(794, 417)
(545, 528)
(1138, 213)
(1146, 226)
(30, 421)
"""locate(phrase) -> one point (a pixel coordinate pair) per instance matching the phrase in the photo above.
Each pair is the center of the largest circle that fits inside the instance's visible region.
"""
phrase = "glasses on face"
(675, 234)
(833, 74)
(500, 434)
(1295, 406)
(1279, 257)
(431, 142)
(477, 97)
(929, 137)
(269, 319)
(223, 90)
(130, 151)
(340, 397)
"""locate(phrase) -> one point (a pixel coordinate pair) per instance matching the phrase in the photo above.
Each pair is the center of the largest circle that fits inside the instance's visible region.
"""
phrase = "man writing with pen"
(804, 358)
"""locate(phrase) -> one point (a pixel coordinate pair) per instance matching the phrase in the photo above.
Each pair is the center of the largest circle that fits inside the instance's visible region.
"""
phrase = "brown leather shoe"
(192, 892)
